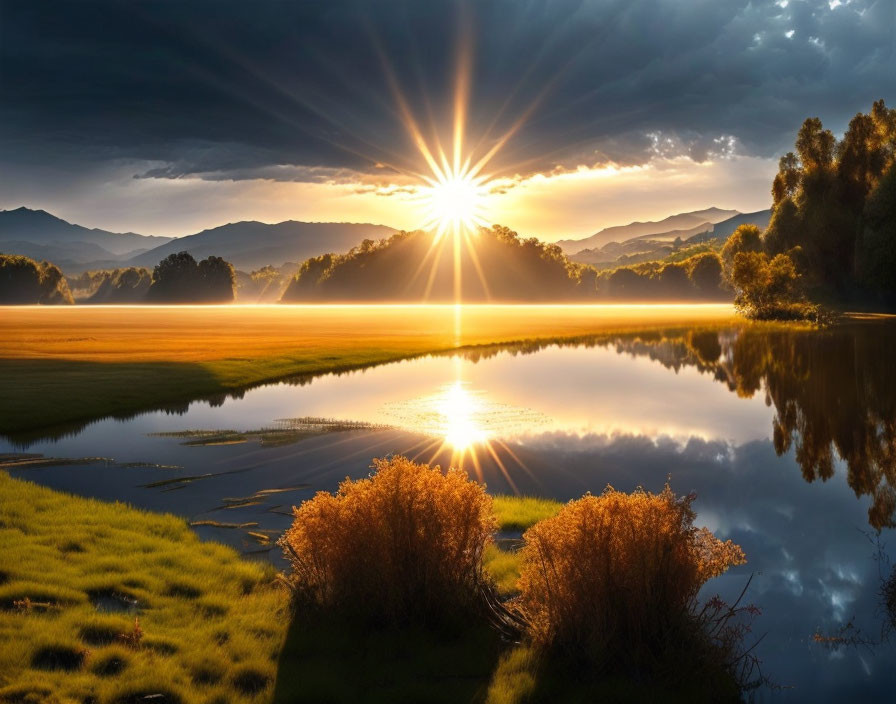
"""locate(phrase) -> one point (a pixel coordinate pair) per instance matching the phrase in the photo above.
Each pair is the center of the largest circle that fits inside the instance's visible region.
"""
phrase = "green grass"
(213, 624)
(516, 513)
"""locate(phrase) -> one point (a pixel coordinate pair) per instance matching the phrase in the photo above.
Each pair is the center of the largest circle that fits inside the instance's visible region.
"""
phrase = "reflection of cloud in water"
(812, 563)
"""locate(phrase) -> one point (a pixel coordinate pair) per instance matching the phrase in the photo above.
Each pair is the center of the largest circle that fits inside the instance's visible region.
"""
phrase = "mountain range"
(247, 245)
(250, 245)
(622, 233)
(40, 235)
(657, 242)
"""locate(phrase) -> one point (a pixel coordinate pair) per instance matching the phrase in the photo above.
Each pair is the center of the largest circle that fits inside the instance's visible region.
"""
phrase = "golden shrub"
(616, 576)
(404, 544)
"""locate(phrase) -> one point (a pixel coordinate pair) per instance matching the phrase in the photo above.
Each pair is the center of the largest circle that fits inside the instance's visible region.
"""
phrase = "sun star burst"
(454, 202)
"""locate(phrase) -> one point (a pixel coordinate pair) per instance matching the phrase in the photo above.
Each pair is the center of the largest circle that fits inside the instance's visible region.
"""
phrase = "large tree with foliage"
(178, 278)
(830, 200)
(24, 281)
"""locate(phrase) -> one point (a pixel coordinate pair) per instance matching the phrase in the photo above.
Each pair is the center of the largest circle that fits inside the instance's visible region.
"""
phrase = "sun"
(454, 202)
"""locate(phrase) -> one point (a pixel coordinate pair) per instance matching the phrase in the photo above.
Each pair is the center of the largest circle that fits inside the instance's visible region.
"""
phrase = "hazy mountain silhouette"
(722, 230)
(660, 245)
(622, 233)
(248, 245)
(38, 227)
(251, 245)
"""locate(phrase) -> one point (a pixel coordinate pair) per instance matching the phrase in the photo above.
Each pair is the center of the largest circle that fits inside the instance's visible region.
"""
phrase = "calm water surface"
(787, 437)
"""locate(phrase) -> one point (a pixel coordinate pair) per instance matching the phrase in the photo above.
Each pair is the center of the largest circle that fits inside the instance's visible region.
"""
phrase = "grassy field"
(62, 365)
(75, 573)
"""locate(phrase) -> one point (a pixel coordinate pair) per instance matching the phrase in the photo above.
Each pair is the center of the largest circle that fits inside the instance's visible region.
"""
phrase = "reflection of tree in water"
(834, 393)
(834, 390)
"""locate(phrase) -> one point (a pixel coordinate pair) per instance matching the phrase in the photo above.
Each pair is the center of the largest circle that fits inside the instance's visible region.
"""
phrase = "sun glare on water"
(466, 423)
(461, 413)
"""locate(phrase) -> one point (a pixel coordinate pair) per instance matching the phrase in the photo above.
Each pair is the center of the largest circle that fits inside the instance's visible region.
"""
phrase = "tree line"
(494, 264)
(178, 278)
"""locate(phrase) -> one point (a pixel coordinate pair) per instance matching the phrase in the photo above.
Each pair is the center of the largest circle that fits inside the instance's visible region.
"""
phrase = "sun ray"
(471, 250)
(433, 270)
(503, 469)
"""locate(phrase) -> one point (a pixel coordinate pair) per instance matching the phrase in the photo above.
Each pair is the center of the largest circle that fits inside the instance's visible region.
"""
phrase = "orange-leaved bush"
(614, 578)
(404, 545)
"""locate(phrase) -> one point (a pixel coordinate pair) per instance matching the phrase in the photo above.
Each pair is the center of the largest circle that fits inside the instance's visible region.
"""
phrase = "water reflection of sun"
(465, 423)
(462, 412)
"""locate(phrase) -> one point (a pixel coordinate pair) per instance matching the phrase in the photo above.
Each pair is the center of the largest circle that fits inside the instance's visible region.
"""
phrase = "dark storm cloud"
(299, 90)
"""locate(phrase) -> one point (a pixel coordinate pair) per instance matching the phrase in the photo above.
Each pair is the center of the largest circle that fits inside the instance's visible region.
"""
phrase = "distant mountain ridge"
(662, 244)
(247, 245)
(42, 228)
(251, 244)
(622, 233)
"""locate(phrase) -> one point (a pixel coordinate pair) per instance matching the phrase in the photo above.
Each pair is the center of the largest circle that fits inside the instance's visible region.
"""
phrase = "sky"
(166, 117)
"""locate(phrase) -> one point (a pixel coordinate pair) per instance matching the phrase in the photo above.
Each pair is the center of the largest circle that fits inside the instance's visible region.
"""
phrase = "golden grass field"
(213, 333)
(72, 364)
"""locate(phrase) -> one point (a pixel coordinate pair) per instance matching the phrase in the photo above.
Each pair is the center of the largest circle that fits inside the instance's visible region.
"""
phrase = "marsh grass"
(400, 547)
(193, 601)
(609, 586)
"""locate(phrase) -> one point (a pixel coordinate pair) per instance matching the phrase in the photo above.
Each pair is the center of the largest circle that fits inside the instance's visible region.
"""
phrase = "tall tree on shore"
(830, 200)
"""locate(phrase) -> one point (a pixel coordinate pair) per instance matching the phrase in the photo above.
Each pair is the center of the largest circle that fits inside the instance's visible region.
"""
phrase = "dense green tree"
(493, 264)
(626, 283)
(697, 277)
(217, 280)
(787, 181)
(674, 282)
(180, 279)
(784, 228)
(705, 274)
(130, 285)
(815, 145)
(821, 205)
(879, 239)
(765, 287)
(746, 238)
(25, 281)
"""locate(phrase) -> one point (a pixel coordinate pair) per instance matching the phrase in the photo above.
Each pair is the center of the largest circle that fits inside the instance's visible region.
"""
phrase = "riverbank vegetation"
(106, 603)
(610, 584)
(607, 588)
(402, 547)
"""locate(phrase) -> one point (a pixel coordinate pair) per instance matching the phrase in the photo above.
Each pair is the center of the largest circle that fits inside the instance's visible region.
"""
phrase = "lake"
(787, 437)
